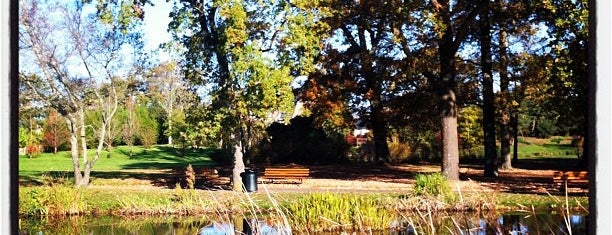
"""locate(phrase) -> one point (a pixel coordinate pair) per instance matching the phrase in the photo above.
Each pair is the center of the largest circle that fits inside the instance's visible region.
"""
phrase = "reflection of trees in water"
(408, 223)
(489, 223)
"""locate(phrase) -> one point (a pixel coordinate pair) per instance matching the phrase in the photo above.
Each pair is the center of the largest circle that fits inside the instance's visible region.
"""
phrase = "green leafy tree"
(451, 24)
(166, 87)
(228, 46)
(568, 25)
(131, 124)
(147, 133)
(470, 127)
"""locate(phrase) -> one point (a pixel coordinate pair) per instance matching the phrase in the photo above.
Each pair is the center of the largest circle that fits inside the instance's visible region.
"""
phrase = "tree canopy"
(443, 77)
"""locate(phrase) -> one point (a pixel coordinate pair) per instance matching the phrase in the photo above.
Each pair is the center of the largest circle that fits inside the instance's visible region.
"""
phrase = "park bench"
(566, 179)
(282, 174)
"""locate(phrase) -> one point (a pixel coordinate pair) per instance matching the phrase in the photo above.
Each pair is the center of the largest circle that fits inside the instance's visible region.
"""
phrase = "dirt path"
(388, 178)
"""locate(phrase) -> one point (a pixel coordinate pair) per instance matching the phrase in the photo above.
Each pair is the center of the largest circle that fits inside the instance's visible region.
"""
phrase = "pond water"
(405, 224)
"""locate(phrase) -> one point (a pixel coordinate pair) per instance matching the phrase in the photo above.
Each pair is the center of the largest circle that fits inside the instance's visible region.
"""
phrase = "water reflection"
(510, 223)
(247, 227)
(406, 224)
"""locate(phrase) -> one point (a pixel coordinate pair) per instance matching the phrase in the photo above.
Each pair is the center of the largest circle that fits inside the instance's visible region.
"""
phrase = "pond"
(406, 223)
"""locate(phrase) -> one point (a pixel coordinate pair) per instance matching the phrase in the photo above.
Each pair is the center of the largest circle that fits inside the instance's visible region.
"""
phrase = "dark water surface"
(408, 223)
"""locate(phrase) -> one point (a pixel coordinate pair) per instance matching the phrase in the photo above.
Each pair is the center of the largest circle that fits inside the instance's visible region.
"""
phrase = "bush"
(433, 185)
(557, 140)
(399, 152)
(33, 150)
(190, 177)
(56, 200)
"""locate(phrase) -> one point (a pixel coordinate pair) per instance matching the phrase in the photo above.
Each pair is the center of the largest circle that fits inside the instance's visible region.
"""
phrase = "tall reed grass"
(337, 212)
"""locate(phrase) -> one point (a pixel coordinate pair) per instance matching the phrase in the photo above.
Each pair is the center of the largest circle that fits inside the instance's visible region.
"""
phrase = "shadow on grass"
(536, 180)
(157, 178)
(168, 157)
(169, 170)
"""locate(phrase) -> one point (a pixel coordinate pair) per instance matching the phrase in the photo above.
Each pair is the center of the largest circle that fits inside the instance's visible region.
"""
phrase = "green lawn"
(538, 148)
(158, 157)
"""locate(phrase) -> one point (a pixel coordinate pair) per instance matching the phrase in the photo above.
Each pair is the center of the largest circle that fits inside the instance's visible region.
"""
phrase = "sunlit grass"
(157, 157)
(558, 147)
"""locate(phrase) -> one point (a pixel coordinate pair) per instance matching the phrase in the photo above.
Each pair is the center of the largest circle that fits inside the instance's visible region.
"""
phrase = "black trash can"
(249, 180)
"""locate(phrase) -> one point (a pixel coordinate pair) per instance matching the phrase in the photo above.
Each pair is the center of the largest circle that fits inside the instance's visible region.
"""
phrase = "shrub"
(556, 140)
(399, 152)
(56, 200)
(190, 177)
(33, 150)
(433, 185)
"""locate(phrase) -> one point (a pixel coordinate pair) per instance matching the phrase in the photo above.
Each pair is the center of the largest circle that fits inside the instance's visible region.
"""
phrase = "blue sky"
(156, 24)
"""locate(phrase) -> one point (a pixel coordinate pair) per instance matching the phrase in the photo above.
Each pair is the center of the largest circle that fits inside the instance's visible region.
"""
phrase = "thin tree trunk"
(74, 150)
(84, 179)
(170, 127)
(488, 108)
(515, 132)
(505, 106)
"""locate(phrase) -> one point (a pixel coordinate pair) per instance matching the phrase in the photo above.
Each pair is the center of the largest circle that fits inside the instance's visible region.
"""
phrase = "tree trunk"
(488, 107)
(74, 150)
(447, 99)
(450, 143)
(505, 106)
(379, 126)
(515, 131)
(170, 128)
(379, 130)
(238, 163)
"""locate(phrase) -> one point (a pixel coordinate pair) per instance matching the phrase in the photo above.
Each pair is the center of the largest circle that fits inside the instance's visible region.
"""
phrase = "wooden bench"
(276, 174)
(565, 179)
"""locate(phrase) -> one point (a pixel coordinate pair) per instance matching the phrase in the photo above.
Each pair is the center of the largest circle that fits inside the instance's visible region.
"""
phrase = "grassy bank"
(300, 212)
(63, 200)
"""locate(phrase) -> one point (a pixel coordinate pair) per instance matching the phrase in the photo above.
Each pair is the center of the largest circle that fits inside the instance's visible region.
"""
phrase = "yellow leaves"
(235, 17)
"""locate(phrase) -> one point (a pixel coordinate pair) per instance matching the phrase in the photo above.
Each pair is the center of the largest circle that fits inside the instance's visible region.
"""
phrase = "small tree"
(131, 124)
(147, 131)
(55, 131)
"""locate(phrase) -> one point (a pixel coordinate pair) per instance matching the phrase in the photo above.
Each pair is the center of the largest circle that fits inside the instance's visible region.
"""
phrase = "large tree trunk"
(379, 125)
(379, 130)
(450, 142)
(504, 102)
(448, 101)
(488, 107)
